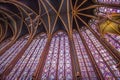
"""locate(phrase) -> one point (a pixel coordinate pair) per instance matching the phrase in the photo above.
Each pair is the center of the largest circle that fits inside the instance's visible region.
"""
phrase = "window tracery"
(109, 1)
(103, 11)
(114, 40)
(11, 53)
(86, 67)
(104, 60)
(58, 62)
(26, 65)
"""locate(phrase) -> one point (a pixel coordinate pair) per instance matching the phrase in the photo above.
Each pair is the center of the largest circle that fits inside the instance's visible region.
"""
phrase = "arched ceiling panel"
(24, 14)
(10, 20)
(45, 16)
(9, 33)
(50, 13)
(10, 7)
(55, 3)
(17, 20)
(33, 4)
(63, 13)
(24, 31)
(41, 29)
(59, 26)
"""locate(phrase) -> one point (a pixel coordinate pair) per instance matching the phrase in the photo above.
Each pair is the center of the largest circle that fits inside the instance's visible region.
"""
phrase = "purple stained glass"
(11, 53)
(114, 40)
(26, 66)
(58, 59)
(103, 11)
(85, 64)
(109, 1)
(101, 56)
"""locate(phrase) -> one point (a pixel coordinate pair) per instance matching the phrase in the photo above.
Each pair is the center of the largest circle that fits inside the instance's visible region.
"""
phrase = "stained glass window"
(85, 64)
(109, 10)
(11, 53)
(94, 25)
(109, 1)
(103, 59)
(114, 40)
(106, 10)
(26, 66)
(52, 58)
(58, 62)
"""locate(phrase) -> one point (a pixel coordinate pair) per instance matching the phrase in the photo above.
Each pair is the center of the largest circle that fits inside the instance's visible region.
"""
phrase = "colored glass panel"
(102, 57)
(109, 1)
(85, 64)
(58, 62)
(26, 65)
(114, 40)
(11, 53)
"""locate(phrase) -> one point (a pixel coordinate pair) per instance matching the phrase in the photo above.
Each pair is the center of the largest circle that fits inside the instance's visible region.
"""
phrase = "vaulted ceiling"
(20, 17)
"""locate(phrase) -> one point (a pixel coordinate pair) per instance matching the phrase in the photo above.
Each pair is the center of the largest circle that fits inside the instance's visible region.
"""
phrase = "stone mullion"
(114, 39)
(14, 50)
(40, 66)
(28, 60)
(36, 56)
(83, 58)
(102, 57)
(94, 64)
(15, 60)
(77, 57)
(74, 59)
(112, 51)
(53, 52)
(58, 59)
(64, 58)
(21, 62)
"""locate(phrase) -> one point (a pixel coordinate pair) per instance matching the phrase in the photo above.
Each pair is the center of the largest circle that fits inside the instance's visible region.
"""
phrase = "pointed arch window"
(114, 40)
(106, 10)
(93, 24)
(103, 59)
(109, 1)
(58, 62)
(86, 67)
(11, 53)
(109, 10)
(25, 67)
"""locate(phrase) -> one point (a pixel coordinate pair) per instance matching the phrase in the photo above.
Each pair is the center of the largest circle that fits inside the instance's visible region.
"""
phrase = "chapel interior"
(59, 39)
